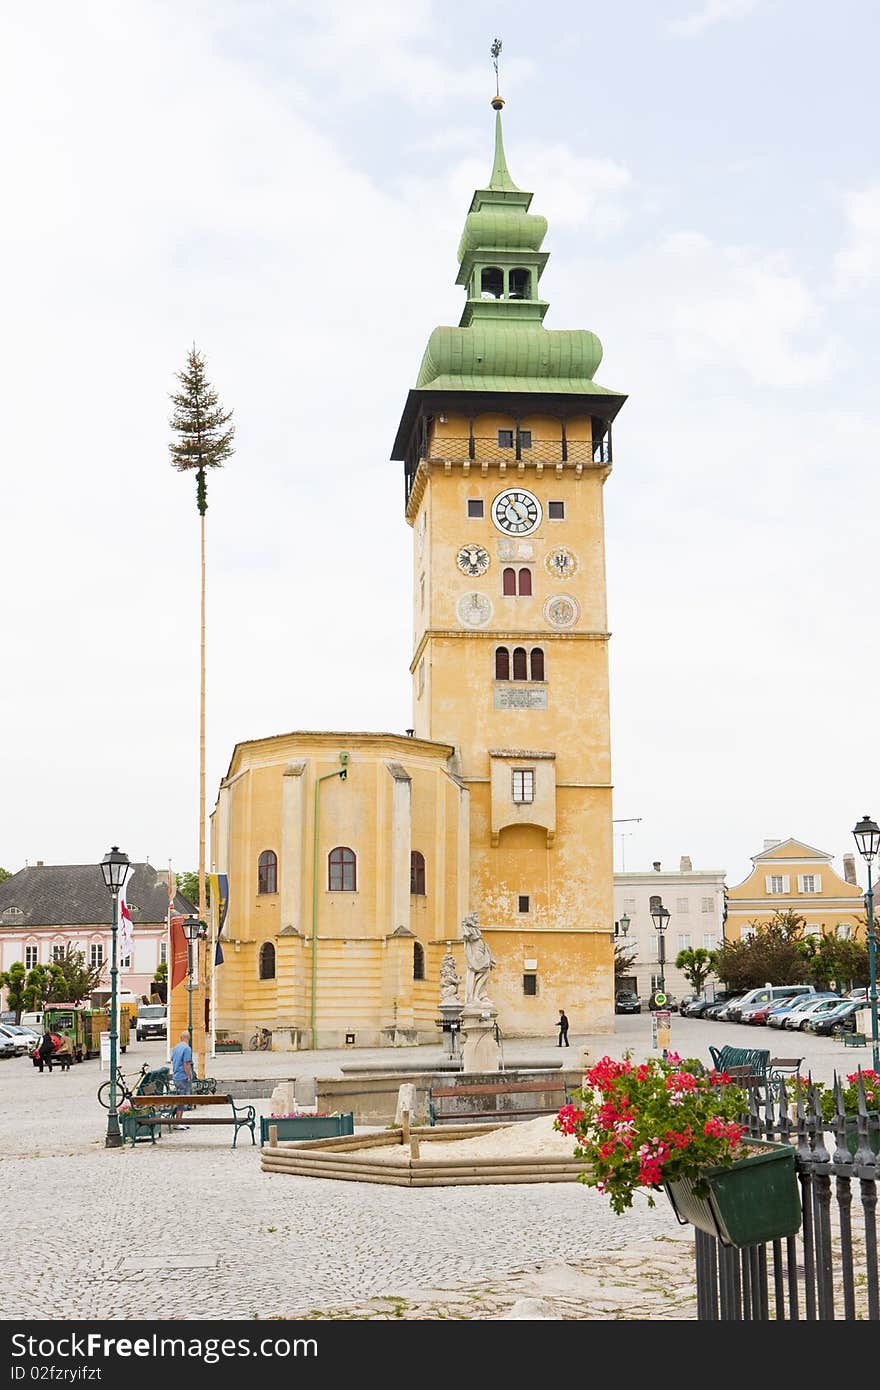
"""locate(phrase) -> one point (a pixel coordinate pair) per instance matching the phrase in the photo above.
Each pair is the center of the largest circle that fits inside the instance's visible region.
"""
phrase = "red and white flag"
(126, 925)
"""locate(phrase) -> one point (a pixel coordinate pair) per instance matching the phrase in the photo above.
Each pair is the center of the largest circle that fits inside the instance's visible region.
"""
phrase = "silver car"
(19, 1043)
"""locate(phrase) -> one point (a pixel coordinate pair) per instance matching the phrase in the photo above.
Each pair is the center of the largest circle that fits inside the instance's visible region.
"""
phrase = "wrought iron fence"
(829, 1270)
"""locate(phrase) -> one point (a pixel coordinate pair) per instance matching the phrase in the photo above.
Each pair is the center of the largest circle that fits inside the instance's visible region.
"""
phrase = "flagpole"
(215, 908)
(168, 963)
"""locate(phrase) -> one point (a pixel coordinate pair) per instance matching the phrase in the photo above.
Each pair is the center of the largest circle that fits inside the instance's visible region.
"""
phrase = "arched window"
(418, 961)
(520, 673)
(267, 961)
(508, 581)
(267, 872)
(525, 581)
(537, 664)
(502, 664)
(520, 282)
(417, 876)
(342, 866)
(492, 283)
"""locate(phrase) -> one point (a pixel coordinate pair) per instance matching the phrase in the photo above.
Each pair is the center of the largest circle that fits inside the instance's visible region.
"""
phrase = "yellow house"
(791, 875)
(347, 891)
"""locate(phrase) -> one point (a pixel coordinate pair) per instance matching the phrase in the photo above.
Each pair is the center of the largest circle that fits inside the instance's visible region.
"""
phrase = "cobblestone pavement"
(190, 1227)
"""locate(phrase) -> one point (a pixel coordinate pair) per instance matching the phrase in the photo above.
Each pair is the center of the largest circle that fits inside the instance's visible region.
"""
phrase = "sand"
(520, 1138)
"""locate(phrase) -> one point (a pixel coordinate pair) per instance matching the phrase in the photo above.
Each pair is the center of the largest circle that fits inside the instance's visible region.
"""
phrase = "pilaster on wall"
(293, 804)
(401, 845)
(464, 853)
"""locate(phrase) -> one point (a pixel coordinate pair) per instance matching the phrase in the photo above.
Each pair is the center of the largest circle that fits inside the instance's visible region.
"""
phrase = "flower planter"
(307, 1126)
(228, 1047)
(852, 1138)
(756, 1199)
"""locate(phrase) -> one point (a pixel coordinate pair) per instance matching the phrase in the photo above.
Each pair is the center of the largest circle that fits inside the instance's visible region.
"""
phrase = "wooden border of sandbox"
(348, 1159)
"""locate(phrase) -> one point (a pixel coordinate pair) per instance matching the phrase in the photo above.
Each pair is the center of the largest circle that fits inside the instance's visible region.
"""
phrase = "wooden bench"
(778, 1068)
(150, 1115)
(442, 1107)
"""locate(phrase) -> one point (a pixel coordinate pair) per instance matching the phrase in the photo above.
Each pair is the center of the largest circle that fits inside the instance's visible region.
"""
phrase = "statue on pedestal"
(479, 961)
(449, 980)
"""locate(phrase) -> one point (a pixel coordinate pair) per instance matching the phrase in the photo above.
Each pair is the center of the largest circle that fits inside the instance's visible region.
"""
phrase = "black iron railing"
(829, 1270)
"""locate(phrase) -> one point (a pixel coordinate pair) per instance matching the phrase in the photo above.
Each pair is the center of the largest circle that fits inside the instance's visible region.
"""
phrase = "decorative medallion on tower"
(474, 609)
(562, 610)
(472, 560)
(561, 562)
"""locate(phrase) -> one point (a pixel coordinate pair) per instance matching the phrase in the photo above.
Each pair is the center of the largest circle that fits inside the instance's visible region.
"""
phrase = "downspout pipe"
(341, 773)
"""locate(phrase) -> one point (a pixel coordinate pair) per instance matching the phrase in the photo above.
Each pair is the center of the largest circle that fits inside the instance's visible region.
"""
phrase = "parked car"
(839, 1020)
(777, 1017)
(7, 1046)
(719, 1012)
(698, 1007)
(764, 994)
(797, 1018)
(29, 1036)
(861, 994)
(20, 1044)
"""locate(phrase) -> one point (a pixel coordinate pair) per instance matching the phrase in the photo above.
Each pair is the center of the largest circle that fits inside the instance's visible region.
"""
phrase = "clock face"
(472, 559)
(516, 512)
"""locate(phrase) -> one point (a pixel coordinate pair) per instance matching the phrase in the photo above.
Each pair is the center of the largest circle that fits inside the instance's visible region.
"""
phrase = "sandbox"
(431, 1156)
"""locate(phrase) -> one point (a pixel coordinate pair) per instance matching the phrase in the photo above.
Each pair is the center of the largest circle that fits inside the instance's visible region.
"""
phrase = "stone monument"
(481, 1051)
(450, 1004)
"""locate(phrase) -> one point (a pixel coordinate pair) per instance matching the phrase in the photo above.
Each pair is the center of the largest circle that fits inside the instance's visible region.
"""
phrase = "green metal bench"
(747, 1063)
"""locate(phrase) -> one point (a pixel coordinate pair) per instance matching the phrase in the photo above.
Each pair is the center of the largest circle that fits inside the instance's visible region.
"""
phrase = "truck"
(84, 1027)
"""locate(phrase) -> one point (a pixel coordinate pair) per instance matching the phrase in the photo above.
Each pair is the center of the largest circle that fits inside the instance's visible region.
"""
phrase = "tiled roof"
(70, 895)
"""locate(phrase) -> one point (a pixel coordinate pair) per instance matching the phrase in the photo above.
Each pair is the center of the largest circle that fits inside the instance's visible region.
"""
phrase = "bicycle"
(158, 1078)
(260, 1040)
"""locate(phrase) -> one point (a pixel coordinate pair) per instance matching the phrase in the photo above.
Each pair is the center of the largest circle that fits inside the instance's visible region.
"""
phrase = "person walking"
(562, 1025)
(45, 1051)
(182, 1073)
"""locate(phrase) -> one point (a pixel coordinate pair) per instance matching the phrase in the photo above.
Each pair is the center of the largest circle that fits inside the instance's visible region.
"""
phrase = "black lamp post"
(114, 867)
(194, 930)
(624, 924)
(660, 918)
(867, 838)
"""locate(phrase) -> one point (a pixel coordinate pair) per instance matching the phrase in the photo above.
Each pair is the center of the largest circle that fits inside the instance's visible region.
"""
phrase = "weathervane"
(495, 50)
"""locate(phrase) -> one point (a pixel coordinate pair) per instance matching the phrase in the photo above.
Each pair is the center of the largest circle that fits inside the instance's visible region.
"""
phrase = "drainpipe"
(341, 773)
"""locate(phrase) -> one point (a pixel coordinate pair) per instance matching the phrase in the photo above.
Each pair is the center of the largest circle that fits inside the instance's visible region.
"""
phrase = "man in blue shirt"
(182, 1072)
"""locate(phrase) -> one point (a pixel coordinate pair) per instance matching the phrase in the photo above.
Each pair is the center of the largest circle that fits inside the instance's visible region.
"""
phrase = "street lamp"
(660, 918)
(114, 867)
(867, 838)
(624, 924)
(194, 930)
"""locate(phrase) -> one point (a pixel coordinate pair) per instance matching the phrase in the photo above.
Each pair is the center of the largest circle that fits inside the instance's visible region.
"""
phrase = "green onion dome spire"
(500, 343)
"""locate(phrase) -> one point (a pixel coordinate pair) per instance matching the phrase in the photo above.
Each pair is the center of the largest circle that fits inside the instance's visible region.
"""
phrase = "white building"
(694, 899)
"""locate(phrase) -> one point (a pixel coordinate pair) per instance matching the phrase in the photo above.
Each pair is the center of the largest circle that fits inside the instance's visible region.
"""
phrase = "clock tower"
(506, 446)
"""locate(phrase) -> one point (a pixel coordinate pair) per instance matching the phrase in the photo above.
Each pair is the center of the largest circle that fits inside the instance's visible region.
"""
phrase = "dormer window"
(520, 284)
(492, 282)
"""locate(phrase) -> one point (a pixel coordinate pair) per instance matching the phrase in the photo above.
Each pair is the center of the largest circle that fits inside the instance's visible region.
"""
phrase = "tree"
(36, 989)
(4, 875)
(841, 961)
(188, 885)
(624, 960)
(203, 440)
(71, 980)
(775, 951)
(13, 981)
(696, 966)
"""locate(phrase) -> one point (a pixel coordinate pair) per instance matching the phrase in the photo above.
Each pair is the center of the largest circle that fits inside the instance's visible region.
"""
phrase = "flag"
(218, 954)
(220, 895)
(126, 925)
(179, 956)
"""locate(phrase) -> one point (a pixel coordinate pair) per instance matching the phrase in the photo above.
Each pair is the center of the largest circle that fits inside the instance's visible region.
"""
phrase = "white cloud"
(713, 12)
(857, 265)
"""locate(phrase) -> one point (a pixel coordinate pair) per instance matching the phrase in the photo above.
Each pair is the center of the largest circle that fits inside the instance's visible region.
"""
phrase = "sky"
(283, 183)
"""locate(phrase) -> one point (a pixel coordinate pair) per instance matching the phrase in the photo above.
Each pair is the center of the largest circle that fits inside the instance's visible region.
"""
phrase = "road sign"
(659, 999)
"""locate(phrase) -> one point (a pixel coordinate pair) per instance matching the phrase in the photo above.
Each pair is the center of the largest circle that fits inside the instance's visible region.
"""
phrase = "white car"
(798, 1018)
(19, 1042)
